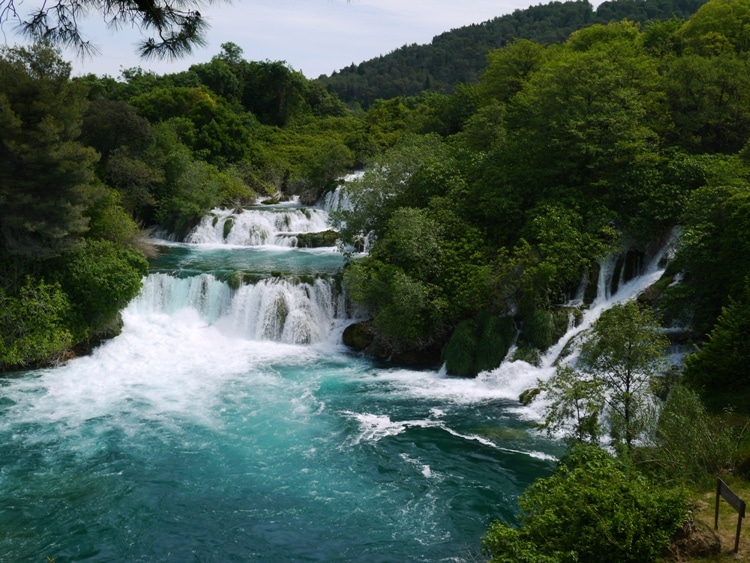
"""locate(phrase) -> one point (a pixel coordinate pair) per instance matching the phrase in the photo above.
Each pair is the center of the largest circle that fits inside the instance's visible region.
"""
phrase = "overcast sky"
(313, 36)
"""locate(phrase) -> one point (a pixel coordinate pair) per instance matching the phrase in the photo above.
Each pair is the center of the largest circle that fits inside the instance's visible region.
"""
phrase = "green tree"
(718, 25)
(177, 26)
(574, 405)
(590, 111)
(709, 98)
(33, 325)
(593, 508)
(274, 92)
(556, 251)
(402, 307)
(109, 125)
(613, 377)
(46, 175)
(393, 182)
(214, 129)
(721, 362)
(691, 445)
(714, 250)
(100, 278)
(509, 68)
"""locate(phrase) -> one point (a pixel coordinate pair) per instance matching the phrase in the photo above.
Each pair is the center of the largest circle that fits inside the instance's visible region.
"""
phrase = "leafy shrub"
(461, 350)
(691, 444)
(32, 325)
(100, 278)
(722, 361)
(593, 508)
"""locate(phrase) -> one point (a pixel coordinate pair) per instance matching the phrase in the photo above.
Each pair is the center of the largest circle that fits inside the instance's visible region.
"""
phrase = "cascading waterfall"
(258, 227)
(514, 377)
(271, 309)
(338, 198)
(335, 200)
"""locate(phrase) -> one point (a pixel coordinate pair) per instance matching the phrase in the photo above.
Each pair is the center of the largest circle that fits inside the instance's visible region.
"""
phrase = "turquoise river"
(231, 424)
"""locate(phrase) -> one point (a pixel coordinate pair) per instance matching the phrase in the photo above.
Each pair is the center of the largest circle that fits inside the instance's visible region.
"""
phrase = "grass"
(705, 513)
(734, 408)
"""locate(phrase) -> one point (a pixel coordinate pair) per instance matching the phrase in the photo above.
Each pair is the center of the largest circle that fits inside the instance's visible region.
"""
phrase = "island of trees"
(482, 207)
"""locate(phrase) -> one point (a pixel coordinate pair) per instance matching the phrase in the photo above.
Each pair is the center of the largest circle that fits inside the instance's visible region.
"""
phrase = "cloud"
(313, 36)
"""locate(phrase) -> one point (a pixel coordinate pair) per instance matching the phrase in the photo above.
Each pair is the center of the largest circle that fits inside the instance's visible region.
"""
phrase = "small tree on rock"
(614, 376)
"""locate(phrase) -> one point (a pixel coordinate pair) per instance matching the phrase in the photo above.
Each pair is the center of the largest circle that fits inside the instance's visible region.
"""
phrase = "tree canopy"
(177, 25)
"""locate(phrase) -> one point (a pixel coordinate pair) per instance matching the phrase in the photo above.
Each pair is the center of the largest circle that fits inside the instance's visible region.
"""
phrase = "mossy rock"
(538, 329)
(527, 354)
(478, 344)
(460, 353)
(359, 336)
(632, 264)
(228, 224)
(527, 396)
(592, 284)
(234, 280)
(317, 240)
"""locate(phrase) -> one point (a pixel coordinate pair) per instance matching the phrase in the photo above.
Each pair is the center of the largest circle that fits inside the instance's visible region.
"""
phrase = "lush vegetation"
(593, 508)
(516, 186)
(482, 210)
(459, 56)
(88, 165)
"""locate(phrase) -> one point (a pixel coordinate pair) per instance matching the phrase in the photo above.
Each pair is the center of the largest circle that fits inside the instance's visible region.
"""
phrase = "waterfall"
(338, 198)
(276, 226)
(335, 200)
(271, 309)
(514, 377)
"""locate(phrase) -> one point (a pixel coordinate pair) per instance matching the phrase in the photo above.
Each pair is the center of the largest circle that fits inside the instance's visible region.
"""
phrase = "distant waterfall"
(335, 200)
(271, 309)
(338, 198)
(258, 227)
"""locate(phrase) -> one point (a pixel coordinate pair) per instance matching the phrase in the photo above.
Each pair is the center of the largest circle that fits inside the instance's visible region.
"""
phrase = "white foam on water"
(163, 368)
(258, 227)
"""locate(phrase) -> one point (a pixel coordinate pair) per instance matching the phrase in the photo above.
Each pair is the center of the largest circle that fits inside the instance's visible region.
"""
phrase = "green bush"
(478, 345)
(461, 350)
(593, 508)
(721, 363)
(32, 325)
(100, 279)
(691, 444)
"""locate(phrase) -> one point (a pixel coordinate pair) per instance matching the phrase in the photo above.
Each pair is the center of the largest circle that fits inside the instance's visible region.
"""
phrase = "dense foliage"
(495, 200)
(459, 56)
(557, 157)
(593, 508)
(66, 245)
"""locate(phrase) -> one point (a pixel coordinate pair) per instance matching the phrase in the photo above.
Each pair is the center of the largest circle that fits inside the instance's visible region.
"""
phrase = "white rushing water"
(514, 377)
(276, 226)
(270, 309)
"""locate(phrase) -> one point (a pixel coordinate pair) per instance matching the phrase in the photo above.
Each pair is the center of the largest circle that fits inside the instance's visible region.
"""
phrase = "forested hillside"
(459, 56)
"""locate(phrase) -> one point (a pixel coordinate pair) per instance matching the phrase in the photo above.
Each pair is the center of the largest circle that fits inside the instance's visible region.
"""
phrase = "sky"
(312, 36)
